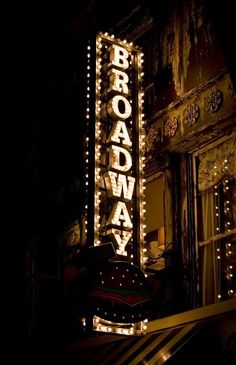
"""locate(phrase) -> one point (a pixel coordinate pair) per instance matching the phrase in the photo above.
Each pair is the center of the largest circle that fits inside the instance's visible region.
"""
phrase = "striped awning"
(150, 349)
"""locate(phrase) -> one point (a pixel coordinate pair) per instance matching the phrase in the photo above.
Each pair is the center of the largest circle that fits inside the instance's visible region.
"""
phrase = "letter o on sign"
(119, 107)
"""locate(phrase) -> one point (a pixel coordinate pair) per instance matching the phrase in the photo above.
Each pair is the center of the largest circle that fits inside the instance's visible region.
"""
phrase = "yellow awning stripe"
(150, 347)
(161, 356)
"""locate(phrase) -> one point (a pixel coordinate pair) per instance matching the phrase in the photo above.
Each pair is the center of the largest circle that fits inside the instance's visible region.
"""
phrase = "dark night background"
(44, 57)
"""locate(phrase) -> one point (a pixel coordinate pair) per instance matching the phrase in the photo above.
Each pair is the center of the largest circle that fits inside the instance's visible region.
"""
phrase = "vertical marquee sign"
(119, 141)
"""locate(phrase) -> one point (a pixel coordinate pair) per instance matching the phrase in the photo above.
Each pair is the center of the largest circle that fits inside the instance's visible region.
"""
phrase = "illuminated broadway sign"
(119, 141)
(119, 148)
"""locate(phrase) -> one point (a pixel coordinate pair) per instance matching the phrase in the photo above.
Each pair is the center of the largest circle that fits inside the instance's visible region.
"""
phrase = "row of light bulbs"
(229, 266)
(98, 136)
(87, 140)
(100, 325)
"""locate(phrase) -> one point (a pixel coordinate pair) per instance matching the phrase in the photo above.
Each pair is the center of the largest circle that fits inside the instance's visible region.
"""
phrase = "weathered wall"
(185, 49)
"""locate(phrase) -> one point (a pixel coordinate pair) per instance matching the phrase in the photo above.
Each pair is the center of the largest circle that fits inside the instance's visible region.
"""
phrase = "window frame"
(220, 237)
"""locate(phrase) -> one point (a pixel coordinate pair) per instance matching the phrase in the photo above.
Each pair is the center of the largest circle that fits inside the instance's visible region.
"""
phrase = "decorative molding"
(213, 101)
(191, 120)
(154, 137)
(189, 95)
(191, 114)
(170, 127)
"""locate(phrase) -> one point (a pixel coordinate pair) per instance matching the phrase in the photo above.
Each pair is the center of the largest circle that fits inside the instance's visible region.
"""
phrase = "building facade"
(189, 120)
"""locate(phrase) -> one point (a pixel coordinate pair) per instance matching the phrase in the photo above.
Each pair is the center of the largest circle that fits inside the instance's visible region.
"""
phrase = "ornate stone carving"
(153, 138)
(213, 101)
(191, 114)
(170, 127)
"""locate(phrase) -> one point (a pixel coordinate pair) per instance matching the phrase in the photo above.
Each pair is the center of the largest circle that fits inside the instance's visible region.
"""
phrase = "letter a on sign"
(119, 134)
(119, 215)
